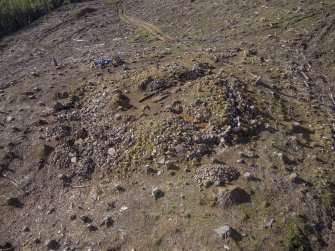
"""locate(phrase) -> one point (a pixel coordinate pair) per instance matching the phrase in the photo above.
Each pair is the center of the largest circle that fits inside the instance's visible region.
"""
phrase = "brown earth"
(222, 114)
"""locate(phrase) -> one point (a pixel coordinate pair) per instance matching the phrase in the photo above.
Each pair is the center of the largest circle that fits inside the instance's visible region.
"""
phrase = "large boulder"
(232, 196)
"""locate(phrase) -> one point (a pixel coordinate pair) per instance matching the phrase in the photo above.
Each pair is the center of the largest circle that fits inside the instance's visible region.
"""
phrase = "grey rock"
(34, 74)
(91, 227)
(63, 95)
(157, 193)
(217, 174)
(197, 102)
(112, 151)
(270, 223)
(62, 177)
(295, 124)
(10, 118)
(14, 202)
(58, 107)
(224, 231)
(234, 196)
(120, 188)
(85, 219)
(52, 244)
(149, 170)
(203, 149)
(248, 176)
(294, 177)
(108, 222)
(161, 161)
(37, 240)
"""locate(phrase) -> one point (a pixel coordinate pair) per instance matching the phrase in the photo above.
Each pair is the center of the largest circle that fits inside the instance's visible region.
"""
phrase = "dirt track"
(149, 154)
(140, 23)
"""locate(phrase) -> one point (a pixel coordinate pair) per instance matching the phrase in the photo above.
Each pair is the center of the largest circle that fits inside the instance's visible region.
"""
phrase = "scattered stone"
(86, 219)
(40, 122)
(108, 222)
(216, 174)
(123, 208)
(161, 161)
(198, 101)
(74, 160)
(294, 177)
(175, 107)
(119, 100)
(25, 229)
(149, 170)
(35, 74)
(224, 231)
(248, 176)
(51, 210)
(118, 116)
(295, 124)
(62, 95)
(38, 89)
(73, 217)
(112, 151)
(157, 193)
(58, 107)
(171, 166)
(91, 227)
(9, 119)
(14, 202)
(232, 196)
(120, 188)
(241, 161)
(270, 223)
(7, 246)
(15, 129)
(37, 240)
(62, 177)
(207, 183)
(52, 244)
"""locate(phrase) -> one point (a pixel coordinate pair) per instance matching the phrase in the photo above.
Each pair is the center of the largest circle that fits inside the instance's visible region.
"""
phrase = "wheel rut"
(143, 24)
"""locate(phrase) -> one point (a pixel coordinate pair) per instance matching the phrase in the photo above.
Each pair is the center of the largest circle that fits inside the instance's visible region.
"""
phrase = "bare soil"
(221, 114)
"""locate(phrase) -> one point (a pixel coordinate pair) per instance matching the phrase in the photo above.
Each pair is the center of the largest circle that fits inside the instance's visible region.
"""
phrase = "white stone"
(247, 176)
(112, 151)
(223, 231)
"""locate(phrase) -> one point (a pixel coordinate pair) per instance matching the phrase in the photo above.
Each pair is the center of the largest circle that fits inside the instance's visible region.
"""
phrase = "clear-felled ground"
(220, 139)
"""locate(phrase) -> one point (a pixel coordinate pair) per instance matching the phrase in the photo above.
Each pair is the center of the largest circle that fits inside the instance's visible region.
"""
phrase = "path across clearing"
(143, 24)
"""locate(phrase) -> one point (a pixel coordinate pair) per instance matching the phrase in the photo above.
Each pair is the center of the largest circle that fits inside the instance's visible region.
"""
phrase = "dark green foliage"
(296, 233)
(18, 13)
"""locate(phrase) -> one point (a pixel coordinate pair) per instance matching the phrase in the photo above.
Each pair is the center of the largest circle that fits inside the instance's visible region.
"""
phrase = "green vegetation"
(18, 13)
(295, 232)
(158, 242)
(146, 35)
